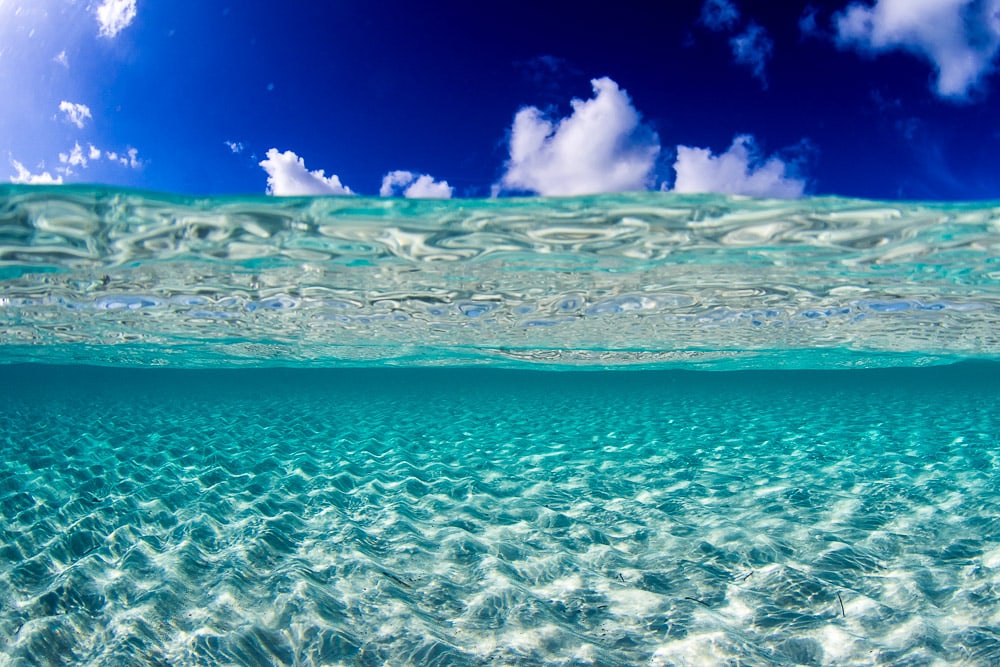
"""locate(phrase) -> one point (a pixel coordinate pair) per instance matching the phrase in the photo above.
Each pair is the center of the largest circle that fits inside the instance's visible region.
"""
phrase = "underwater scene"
(643, 429)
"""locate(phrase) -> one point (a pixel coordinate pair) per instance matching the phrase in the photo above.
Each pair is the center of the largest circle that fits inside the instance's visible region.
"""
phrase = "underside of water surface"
(103, 276)
(252, 431)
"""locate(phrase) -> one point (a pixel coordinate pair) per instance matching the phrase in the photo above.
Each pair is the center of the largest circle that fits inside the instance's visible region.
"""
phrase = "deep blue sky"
(360, 89)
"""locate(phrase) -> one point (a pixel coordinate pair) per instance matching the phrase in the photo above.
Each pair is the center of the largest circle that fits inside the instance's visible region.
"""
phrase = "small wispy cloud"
(77, 114)
(809, 22)
(287, 176)
(738, 171)
(77, 157)
(62, 59)
(719, 15)
(414, 186)
(25, 177)
(235, 146)
(127, 158)
(73, 158)
(130, 159)
(603, 146)
(960, 38)
(752, 48)
(113, 16)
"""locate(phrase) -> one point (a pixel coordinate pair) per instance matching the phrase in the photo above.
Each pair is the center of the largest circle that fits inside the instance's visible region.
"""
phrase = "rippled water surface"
(118, 277)
(499, 517)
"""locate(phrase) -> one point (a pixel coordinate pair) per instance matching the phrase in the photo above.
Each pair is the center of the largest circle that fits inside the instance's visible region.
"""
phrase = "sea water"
(641, 429)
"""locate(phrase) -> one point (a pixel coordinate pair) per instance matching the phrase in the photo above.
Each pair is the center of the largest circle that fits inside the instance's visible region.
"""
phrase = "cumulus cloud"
(425, 187)
(738, 171)
(75, 113)
(960, 38)
(394, 180)
(414, 186)
(94, 152)
(24, 176)
(752, 48)
(601, 147)
(113, 16)
(235, 146)
(287, 176)
(719, 15)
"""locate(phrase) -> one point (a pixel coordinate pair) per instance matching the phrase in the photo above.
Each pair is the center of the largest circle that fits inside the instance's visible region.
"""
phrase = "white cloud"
(130, 158)
(75, 113)
(75, 158)
(62, 59)
(287, 176)
(738, 171)
(601, 147)
(113, 16)
(26, 177)
(413, 186)
(133, 159)
(425, 187)
(78, 157)
(393, 180)
(235, 146)
(719, 15)
(752, 48)
(960, 38)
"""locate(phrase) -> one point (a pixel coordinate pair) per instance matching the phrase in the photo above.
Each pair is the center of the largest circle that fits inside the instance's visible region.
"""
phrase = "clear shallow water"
(323, 509)
(499, 517)
(91, 275)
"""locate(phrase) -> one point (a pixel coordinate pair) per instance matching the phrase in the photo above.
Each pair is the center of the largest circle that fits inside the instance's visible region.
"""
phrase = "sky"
(886, 99)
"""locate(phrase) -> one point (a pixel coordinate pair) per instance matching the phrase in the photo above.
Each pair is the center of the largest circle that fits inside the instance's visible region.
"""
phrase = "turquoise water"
(639, 281)
(500, 517)
(624, 430)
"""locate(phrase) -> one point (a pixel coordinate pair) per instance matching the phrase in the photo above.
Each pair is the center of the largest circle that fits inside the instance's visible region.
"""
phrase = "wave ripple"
(421, 517)
(115, 277)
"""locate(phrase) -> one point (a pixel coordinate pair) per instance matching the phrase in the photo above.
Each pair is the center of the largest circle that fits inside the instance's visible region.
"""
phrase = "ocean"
(644, 429)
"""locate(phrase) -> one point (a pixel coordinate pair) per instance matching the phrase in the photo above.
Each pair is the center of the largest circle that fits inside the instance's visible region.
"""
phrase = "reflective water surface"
(649, 280)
